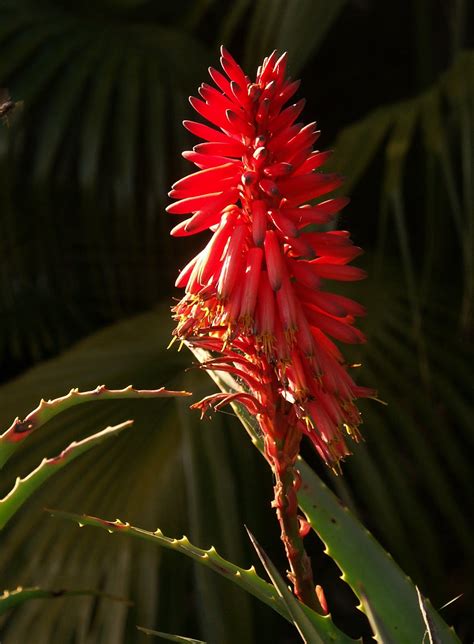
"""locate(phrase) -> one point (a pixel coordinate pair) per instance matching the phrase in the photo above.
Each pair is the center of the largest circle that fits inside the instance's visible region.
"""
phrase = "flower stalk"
(286, 504)
(282, 445)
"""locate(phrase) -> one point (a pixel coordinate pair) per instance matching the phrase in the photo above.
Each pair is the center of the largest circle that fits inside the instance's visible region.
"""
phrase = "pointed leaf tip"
(170, 637)
(309, 629)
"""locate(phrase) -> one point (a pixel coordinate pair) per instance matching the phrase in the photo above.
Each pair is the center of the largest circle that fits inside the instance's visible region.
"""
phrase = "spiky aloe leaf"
(363, 562)
(12, 598)
(24, 487)
(301, 621)
(245, 578)
(376, 622)
(169, 636)
(19, 430)
(431, 629)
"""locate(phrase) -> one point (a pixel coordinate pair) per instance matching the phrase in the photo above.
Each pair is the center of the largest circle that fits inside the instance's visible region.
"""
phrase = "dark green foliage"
(84, 172)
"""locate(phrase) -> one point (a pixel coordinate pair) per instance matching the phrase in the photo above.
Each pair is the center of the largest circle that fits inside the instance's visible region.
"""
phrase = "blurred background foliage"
(86, 262)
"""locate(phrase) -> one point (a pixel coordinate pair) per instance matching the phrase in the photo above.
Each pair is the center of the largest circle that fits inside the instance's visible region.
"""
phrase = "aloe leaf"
(13, 598)
(24, 487)
(431, 629)
(19, 431)
(364, 562)
(169, 636)
(375, 621)
(245, 578)
(308, 632)
(361, 559)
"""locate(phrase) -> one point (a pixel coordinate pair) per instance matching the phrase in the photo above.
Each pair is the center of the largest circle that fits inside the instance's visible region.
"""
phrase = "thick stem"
(286, 504)
(282, 445)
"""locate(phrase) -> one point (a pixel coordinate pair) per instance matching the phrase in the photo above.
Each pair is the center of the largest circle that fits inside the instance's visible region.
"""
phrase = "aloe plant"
(429, 425)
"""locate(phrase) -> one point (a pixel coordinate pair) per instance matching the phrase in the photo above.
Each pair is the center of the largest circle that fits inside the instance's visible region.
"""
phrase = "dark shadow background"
(85, 167)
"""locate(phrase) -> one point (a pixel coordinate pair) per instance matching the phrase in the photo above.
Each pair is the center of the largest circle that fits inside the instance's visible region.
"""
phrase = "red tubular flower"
(258, 288)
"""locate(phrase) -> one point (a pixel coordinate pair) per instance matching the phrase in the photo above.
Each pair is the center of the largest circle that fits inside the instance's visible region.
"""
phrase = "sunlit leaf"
(245, 578)
(169, 637)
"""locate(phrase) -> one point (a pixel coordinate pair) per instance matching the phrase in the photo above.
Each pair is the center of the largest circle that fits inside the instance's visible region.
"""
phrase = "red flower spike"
(288, 116)
(283, 224)
(221, 81)
(205, 132)
(259, 221)
(184, 274)
(265, 314)
(314, 161)
(205, 178)
(287, 308)
(278, 170)
(230, 149)
(256, 295)
(250, 286)
(204, 160)
(274, 260)
(211, 258)
(232, 264)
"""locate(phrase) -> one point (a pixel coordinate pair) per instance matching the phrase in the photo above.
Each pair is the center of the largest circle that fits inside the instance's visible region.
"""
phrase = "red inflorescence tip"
(258, 289)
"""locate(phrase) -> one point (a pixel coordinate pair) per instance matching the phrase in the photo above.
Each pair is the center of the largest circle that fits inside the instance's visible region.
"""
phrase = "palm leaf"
(297, 27)
(91, 115)
(13, 598)
(393, 130)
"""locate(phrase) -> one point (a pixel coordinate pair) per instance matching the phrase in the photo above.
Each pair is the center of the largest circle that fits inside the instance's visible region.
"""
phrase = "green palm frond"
(436, 126)
(12, 598)
(96, 147)
(297, 27)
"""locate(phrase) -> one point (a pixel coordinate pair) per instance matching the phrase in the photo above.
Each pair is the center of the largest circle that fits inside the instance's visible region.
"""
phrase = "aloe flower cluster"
(255, 295)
